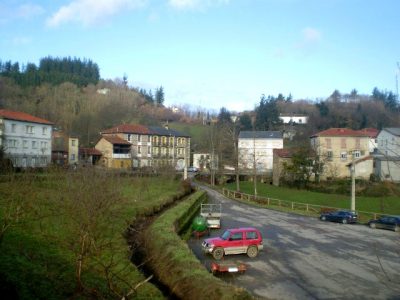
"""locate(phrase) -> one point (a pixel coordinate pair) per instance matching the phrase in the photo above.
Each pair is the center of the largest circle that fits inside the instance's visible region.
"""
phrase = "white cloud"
(195, 4)
(29, 10)
(310, 38)
(311, 35)
(88, 12)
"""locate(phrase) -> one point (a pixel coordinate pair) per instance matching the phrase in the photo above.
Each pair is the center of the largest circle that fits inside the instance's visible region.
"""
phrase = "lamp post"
(353, 183)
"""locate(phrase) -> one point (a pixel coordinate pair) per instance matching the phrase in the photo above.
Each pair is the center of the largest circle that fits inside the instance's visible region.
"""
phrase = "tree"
(159, 97)
(267, 115)
(245, 122)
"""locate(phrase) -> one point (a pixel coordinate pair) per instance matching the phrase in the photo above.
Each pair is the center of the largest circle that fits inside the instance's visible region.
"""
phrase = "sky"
(215, 53)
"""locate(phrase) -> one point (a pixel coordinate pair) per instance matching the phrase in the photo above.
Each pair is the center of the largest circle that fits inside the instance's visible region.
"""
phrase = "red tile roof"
(128, 128)
(116, 140)
(371, 132)
(284, 153)
(21, 116)
(341, 132)
(90, 151)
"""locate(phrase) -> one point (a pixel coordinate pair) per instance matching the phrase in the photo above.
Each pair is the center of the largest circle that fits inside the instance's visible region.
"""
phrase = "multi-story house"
(65, 149)
(293, 119)
(256, 151)
(338, 148)
(202, 160)
(153, 146)
(26, 139)
(387, 158)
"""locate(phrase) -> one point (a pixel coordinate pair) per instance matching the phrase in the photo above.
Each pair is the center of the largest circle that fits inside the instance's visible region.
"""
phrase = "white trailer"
(212, 213)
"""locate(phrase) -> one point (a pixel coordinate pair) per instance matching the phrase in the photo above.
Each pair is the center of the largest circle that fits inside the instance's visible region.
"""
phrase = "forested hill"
(52, 70)
(70, 93)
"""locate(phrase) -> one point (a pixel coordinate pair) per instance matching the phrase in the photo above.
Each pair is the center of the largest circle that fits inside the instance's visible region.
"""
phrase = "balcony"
(121, 155)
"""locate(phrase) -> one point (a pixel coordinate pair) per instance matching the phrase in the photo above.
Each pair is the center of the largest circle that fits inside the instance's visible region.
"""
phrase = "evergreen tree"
(159, 97)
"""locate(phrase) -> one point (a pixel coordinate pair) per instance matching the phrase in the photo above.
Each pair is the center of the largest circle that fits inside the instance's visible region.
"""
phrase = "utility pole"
(353, 183)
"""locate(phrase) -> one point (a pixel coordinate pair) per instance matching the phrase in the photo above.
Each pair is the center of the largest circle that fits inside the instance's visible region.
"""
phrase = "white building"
(257, 147)
(201, 160)
(293, 119)
(387, 158)
(26, 139)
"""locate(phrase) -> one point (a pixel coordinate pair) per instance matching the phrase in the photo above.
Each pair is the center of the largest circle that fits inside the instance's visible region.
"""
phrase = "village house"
(26, 139)
(293, 119)
(338, 148)
(116, 152)
(256, 151)
(202, 161)
(65, 149)
(387, 157)
(151, 146)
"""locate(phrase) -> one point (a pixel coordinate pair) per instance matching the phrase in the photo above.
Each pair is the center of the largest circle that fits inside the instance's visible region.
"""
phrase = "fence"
(309, 209)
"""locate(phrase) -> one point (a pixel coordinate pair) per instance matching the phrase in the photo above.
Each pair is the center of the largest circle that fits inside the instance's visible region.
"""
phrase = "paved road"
(305, 258)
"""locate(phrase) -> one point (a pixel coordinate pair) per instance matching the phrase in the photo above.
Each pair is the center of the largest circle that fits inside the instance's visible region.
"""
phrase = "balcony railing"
(121, 155)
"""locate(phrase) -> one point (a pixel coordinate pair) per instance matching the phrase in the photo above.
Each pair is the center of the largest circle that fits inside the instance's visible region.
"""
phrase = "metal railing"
(311, 209)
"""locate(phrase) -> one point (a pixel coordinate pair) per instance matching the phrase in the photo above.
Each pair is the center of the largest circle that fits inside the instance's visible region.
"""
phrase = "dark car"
(342, 216)
(386, 222)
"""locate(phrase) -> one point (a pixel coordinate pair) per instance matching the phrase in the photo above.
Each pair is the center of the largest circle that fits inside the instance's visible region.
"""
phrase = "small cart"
(228, 267)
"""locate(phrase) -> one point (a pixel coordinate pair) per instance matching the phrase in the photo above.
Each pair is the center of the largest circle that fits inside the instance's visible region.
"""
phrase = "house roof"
(141, 129)
(164, 131)
(116, 140)
(283, 153)
(260, 135)
(90, 151)
(128, 128)
(371, 132)
(337, 132)
(393, 130)
(21, 116)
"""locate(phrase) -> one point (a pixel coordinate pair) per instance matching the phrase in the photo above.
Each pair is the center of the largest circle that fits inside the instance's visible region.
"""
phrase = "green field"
(386, 205)
(62, 234)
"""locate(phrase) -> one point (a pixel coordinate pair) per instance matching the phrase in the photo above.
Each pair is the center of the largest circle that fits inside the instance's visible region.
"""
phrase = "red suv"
(234, 241)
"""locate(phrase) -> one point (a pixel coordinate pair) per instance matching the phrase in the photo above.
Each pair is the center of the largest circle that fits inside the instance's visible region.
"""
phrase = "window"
(44, 130)
(12, 143)
(329, 155)
(139, 150)
(73, 143)
(72, 156)
(148, 150)
(29, 129)
(236, 236)
(129, 137)
(356, 154)
(251, 235)
(13, 128)
(343, 155)
(34, 144)
(328, 143)
(343, 143)
(358, 143)
(139, 137)
(25, 144)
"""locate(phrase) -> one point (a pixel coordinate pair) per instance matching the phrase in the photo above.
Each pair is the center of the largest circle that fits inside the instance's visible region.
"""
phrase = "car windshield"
(225, 235)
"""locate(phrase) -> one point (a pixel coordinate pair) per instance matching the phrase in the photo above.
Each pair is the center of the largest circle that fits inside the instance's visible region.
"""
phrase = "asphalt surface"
(305, 258)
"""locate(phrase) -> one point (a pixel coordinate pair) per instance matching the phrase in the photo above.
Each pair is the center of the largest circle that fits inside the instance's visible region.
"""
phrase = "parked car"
(386, 222)
(193, 169)
(234, 241)
(342, 216)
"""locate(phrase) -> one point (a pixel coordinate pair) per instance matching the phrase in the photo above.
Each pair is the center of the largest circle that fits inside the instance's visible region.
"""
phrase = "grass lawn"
(386, 205)
(68, 223)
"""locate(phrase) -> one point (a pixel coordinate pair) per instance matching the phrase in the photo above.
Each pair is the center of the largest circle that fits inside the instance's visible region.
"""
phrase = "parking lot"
(305, 258)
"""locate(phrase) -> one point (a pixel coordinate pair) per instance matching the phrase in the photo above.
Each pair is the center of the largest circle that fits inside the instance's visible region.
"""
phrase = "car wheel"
(372, 225)
(344, 221)
(397, 228)
(218, 253)
(323, 218)
(252, 251)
